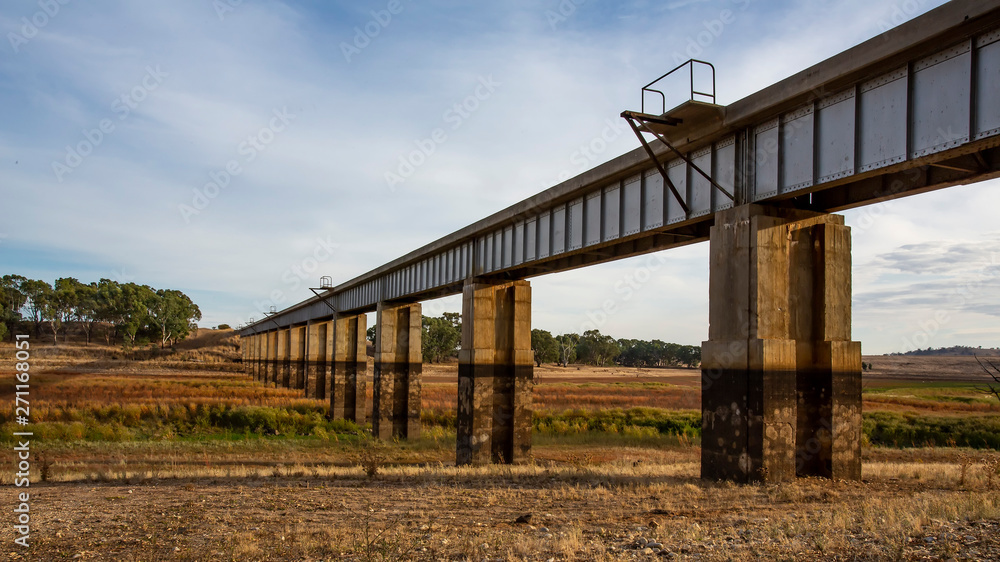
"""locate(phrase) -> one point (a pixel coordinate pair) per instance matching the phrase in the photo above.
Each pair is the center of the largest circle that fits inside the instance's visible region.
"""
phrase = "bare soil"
(894, 369)
(311, 500)
(602, 512)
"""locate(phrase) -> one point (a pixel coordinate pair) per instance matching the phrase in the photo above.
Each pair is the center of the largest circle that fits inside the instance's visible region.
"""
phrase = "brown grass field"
(130, 475)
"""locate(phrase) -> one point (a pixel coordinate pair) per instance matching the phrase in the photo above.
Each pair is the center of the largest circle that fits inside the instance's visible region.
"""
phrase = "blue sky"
(302, 108)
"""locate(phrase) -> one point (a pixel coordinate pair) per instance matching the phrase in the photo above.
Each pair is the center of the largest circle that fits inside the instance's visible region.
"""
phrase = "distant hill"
(954, 350)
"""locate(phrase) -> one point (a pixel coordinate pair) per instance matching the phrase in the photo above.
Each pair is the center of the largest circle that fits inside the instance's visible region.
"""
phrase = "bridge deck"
(912, 110)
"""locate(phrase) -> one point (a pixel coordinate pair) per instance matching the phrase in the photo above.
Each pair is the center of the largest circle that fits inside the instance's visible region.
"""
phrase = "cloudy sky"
(117, 115)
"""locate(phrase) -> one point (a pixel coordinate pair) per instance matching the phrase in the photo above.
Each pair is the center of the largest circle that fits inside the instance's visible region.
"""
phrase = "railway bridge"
(912, 110)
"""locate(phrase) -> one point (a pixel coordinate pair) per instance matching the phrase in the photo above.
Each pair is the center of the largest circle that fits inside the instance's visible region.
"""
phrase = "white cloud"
(324, 175)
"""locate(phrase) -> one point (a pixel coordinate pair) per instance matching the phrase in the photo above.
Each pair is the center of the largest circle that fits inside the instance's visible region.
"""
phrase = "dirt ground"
(894, 369)
(617, 511)
(886, 369)
(283, 500)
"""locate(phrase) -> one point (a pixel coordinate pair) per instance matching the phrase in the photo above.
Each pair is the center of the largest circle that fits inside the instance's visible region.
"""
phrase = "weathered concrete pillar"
(284, 358)
(261, 356)
(828, 382)
(255, 356)
(316, 359)
(264, 361)
(781, 380)
(347, 384)
(398, 364)
(495, 374)
(271, 377)
(297, 357)
(243, 354)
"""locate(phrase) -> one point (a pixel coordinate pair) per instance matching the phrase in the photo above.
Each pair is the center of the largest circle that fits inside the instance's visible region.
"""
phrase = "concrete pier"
(346, 385)
(398, 365)
(273, 370)
(495, 374)
(254, 345)
(317, 359)
(297, 357)
(781, 378)
(284, 358)
(256, 358)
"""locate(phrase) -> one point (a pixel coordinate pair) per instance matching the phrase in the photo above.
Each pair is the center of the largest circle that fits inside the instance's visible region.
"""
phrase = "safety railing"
(693, 92)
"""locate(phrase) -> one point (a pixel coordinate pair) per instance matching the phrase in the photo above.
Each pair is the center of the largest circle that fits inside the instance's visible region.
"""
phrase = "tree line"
(134, 313)
(441, 338)
(595, 348)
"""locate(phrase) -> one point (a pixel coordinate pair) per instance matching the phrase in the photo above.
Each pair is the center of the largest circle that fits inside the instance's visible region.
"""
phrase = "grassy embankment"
(197, 393)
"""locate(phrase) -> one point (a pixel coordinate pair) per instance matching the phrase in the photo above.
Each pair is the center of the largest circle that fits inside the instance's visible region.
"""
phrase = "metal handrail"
(690, 64)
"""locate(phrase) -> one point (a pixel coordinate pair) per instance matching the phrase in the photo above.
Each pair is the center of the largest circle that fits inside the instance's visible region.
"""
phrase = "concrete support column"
(262, 357)
(266, 352)
(245, 355)
(316, 359)
(828, 381)
(273, 370)
(258, 363)
(252, 341)
(347, 383)
(284, 358)
(495, 374)
(297, 357)
(781, 392)
(398, 364)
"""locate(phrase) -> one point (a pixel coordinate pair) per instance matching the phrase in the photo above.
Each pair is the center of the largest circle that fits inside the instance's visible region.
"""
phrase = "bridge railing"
(690, 64)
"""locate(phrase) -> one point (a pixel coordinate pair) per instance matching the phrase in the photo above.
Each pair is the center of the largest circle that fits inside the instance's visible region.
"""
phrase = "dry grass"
(333, 497)
(557, 397)
(594, 512)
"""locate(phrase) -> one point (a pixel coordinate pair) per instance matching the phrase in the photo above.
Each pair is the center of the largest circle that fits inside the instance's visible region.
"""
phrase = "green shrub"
(894, 429)
(665, 422)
